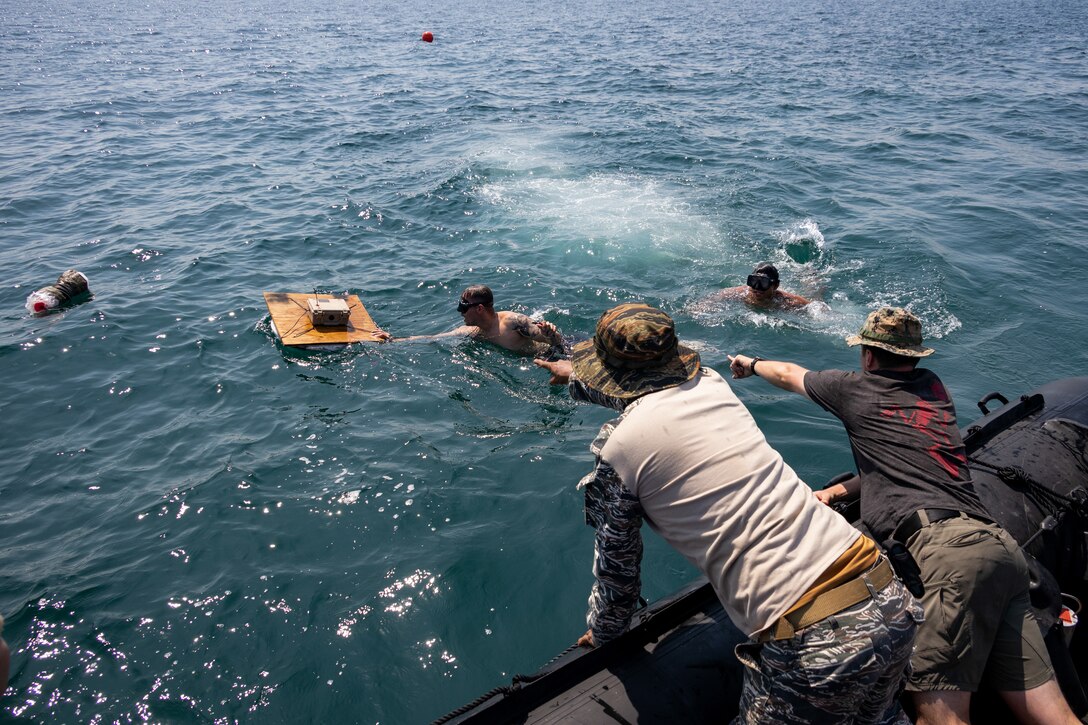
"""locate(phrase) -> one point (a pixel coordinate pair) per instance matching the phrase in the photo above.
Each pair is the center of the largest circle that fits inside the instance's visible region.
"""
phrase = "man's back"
(710, 484)
(902, 428)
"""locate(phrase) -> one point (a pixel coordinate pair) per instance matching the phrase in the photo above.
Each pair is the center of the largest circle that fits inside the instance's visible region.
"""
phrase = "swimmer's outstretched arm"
(729, 293)
(720, 297)
(792, 301)
(462, 331)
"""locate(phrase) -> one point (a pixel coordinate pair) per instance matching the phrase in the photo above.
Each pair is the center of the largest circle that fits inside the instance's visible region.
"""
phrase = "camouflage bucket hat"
(892, 329)
(634, 352)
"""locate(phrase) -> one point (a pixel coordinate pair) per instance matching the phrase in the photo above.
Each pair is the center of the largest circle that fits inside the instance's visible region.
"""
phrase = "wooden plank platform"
(292, 319)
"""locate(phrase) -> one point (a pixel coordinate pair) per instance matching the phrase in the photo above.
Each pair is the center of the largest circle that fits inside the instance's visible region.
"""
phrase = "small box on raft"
(328, 313)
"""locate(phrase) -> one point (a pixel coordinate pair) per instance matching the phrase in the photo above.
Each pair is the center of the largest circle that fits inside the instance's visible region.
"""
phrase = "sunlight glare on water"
(204, 525)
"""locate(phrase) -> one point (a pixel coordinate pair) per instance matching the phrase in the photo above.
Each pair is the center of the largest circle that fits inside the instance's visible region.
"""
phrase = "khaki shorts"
(979, 625)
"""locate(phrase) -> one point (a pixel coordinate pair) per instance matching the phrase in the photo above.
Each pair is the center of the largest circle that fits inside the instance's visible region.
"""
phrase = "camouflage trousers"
(847, 668)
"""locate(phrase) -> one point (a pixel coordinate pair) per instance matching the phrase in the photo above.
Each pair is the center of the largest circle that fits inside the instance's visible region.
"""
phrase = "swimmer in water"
(510, 330)
(761, 291)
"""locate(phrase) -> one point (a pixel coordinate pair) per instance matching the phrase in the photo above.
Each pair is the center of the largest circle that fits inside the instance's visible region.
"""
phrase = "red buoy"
(428, 37)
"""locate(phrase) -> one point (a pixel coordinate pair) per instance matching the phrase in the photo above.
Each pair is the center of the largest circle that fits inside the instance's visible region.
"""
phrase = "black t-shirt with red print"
(907, 446)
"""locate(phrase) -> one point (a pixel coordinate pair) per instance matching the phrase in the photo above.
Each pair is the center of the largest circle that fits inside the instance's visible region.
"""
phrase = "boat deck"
(675, 665)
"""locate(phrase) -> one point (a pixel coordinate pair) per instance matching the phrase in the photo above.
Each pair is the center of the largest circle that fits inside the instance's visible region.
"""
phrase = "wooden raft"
(292, 319)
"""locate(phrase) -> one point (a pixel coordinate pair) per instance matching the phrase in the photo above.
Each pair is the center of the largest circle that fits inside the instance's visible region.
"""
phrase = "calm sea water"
(202, 526)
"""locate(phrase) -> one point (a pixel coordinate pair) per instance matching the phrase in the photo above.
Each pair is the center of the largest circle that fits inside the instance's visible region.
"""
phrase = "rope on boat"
(1051, 502)
(504, 690)
(540, 673)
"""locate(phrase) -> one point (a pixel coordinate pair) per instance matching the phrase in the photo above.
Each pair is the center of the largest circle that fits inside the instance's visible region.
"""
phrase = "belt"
(830, 602)
(924, 517)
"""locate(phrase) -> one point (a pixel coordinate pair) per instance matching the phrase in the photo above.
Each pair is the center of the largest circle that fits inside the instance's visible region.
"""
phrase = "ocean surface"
(200, 525)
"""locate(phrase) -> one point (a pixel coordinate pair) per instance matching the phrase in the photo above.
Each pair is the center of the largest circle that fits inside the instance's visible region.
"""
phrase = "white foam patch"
(802, 257)
(817, 317)
(804, 231)
(621, 211)
(519, 154)
(538, 185)
(540, 312)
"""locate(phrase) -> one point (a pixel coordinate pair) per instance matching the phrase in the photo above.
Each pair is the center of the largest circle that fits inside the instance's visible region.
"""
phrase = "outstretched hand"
(560, 369)
(740, 365)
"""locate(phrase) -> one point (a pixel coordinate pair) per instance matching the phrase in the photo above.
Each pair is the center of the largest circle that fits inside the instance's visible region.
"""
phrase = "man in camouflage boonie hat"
(916, 490)
(686, 456)
(892, 329)
(634, 352)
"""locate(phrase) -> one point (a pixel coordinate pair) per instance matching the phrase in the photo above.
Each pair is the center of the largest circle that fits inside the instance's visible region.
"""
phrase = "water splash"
(802, 243)
(596, 213)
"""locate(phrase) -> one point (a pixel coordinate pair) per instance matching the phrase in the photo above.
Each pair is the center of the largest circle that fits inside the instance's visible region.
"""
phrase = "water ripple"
(203, 525)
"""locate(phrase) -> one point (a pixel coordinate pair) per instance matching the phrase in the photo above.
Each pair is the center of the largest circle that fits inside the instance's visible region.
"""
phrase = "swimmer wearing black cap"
(762, 290)
(510, 330)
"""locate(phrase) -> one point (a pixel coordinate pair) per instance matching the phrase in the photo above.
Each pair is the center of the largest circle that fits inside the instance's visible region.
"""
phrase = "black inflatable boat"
(1029, 459)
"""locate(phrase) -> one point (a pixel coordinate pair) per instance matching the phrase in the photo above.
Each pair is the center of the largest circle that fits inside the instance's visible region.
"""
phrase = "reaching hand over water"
(560, 369)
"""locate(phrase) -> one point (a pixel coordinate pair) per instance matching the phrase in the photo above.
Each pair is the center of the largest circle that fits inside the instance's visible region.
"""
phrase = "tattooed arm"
(549, 333)
(542, 331)
(462, 331)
